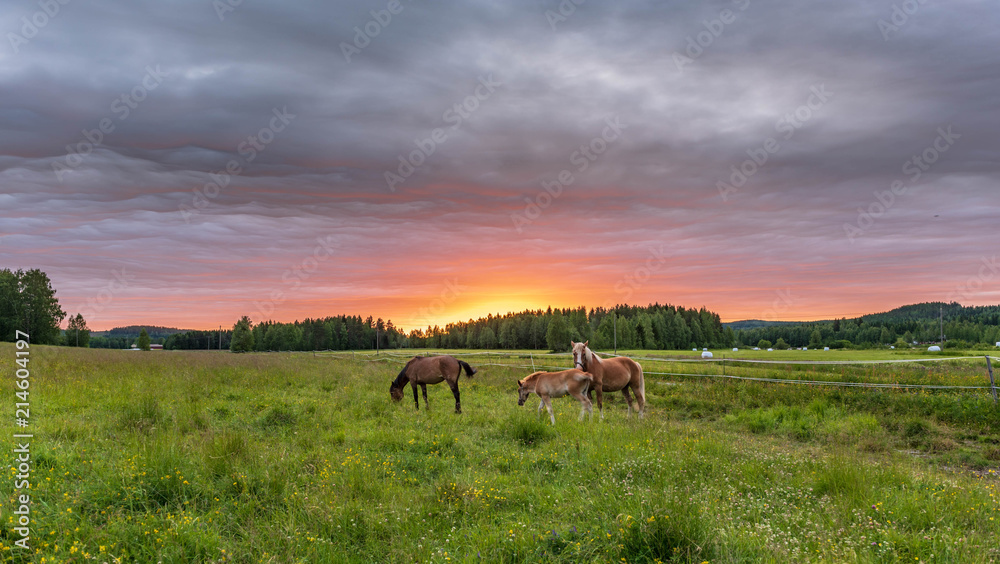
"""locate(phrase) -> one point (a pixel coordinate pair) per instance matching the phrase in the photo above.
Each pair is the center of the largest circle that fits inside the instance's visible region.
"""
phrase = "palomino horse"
(611, 375)
(420, 371)
(556, 385)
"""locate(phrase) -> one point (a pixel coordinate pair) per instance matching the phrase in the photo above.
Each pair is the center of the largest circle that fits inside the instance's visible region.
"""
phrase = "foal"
(556, 385)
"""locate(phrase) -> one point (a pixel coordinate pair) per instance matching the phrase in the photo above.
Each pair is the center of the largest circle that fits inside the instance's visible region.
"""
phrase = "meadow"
(172, 456)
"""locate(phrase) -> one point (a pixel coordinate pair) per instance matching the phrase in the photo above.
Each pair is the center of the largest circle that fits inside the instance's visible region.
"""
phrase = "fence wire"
(395, 356)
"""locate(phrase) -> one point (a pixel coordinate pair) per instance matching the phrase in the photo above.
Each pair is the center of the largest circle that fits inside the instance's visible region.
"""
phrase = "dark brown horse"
(611, 375)
(420, 371)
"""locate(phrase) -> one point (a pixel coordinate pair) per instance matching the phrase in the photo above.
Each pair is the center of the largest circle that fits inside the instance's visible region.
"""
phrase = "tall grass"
(212, 457)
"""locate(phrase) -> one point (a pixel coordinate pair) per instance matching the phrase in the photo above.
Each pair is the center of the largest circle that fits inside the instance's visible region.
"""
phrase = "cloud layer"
(727, 154)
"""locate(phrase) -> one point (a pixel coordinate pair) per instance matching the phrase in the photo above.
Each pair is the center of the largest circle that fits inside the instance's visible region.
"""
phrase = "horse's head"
(396, 388)
(522, 393)
(579, 354)
(395, 392)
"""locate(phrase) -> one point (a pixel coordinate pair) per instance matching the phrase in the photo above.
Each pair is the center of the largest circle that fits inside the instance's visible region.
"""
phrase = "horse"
(556, 385)
(611, 375)
(420, 371)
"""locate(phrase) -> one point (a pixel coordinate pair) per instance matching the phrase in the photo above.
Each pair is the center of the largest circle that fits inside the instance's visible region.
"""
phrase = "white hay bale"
(706, 354)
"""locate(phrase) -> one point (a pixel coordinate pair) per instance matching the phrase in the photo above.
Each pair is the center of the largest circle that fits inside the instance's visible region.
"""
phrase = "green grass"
(212, 457)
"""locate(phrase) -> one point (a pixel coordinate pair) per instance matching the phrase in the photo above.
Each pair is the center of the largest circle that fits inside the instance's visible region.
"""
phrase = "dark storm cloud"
(182, 93)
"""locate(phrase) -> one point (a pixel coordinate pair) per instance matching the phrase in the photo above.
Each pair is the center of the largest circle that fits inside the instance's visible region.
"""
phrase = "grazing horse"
(420, 371)
(556, 385)
(611, 375)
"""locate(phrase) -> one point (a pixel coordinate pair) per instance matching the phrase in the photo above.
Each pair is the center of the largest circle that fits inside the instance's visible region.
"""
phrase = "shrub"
(528, 430)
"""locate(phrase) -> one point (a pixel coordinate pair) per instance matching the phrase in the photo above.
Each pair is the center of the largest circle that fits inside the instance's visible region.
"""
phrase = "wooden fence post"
(993, 386)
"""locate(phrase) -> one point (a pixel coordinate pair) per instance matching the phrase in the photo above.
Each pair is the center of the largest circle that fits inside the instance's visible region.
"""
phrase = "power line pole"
(614, 321)
(942, 324)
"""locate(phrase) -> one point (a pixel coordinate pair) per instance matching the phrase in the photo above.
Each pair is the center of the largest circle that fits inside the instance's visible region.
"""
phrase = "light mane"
(591, 356)
(530, 379)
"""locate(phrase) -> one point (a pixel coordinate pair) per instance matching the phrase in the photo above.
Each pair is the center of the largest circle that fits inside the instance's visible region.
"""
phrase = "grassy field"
(290, 457)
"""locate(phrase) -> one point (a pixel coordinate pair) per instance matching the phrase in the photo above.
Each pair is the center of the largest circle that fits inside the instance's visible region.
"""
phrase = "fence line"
(872, 385)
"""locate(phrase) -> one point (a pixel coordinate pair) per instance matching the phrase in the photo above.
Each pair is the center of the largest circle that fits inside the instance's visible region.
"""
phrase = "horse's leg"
(585, 404)
(541, 404)
(628, 398)
(427, 404)
(640, 399)
(600, 399)
(454, 390)
(548, 405)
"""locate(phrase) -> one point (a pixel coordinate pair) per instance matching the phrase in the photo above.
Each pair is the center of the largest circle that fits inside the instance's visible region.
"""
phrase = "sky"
(185, 163)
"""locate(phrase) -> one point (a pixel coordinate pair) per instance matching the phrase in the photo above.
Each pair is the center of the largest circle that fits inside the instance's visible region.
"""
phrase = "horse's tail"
(642, 381)
(469, 371)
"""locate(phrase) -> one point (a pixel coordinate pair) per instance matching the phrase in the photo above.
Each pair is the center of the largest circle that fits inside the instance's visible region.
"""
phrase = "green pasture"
(170, 456)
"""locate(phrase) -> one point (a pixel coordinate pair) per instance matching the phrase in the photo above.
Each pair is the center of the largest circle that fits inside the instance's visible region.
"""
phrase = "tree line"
(28, 303)
(651, 327)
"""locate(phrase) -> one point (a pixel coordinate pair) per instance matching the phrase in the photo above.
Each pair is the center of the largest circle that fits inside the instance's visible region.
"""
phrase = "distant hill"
(757, 323)
(918, 312)
(926, 312)
(134, 330)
